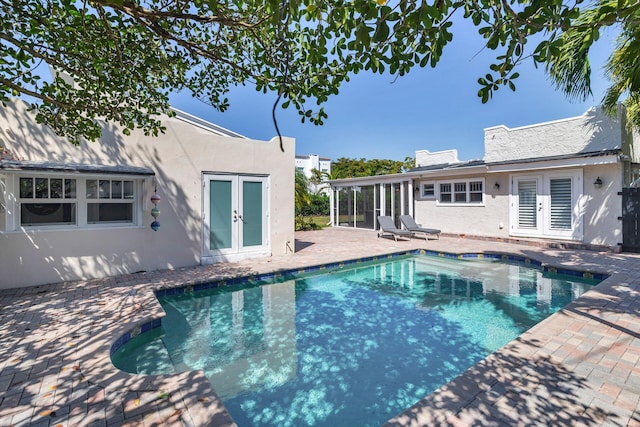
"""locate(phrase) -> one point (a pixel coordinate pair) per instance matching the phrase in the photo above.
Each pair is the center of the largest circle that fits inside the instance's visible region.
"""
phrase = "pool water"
(352, 347)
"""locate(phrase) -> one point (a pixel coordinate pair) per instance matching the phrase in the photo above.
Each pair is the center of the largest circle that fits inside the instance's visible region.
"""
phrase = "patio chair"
(388, 227)
(410, 224)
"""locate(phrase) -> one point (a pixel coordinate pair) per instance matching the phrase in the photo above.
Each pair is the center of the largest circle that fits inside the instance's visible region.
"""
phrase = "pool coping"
(221, 415)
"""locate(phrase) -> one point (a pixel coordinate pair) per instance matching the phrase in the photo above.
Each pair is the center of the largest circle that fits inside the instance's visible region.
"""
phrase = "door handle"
(235, 216)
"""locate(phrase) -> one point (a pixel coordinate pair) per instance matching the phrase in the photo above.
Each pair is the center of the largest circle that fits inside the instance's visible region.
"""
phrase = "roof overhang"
(576, 160)
(22, 166)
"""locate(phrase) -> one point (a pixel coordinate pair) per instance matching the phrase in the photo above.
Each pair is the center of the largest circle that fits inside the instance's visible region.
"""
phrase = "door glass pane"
(527, 215)
(252, 213)
(396, 205)
(364, 207)
(560, 203)
(220, 221)
(345, 206)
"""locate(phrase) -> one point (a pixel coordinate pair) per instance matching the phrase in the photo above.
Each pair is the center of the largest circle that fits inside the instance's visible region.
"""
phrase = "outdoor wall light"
(597, 183)
(496, 185)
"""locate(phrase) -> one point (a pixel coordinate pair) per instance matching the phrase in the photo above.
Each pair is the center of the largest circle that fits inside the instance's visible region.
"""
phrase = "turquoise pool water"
(351, 347)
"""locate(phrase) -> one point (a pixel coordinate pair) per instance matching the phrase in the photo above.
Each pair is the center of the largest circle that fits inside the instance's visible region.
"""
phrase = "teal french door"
(235, 214)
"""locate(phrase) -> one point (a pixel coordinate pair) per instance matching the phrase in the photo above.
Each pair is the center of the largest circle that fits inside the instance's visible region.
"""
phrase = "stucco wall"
(179, 157)
(427, 158)
(601, 207)
(593, 131)
(492, 219)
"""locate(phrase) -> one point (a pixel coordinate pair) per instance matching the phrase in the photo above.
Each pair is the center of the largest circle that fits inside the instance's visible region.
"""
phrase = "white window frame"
(452, 182)
(423, 187)
(13, 201)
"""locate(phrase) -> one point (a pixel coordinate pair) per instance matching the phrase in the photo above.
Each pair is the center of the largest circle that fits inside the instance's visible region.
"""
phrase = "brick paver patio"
(579, 367)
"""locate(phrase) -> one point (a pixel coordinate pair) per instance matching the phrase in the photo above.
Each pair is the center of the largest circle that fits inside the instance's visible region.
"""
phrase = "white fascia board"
(434, 174)
(555, 164)
(390, 179)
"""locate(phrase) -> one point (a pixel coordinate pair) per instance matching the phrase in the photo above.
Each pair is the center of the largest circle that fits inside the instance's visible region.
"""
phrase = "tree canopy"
(124, 57)
(350, 168)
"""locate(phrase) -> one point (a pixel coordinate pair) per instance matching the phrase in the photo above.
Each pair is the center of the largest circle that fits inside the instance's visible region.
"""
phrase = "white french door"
(235, 216)
(547, 205)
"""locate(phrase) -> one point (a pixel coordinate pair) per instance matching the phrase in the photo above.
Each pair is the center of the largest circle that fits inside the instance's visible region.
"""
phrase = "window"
(460, 192)
(445, 193)
(475, 191)
(428, 190)
(61, 201)
(47, 201)
(109, 201)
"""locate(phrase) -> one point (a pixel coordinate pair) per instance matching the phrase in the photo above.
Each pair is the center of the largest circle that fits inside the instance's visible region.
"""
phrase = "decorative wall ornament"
(155, 212)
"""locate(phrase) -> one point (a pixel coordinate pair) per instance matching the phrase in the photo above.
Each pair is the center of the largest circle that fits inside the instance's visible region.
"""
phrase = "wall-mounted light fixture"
(496, 185)
(597, 183)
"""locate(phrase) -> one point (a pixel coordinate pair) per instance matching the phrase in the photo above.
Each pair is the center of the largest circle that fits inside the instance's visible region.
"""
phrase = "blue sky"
(381, 117)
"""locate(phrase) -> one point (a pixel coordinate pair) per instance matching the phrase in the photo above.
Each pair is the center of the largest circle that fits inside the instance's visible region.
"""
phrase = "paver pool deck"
(579, 367)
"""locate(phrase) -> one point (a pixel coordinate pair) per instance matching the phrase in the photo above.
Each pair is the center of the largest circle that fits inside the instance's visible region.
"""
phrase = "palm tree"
(301, 195)
(570, 68)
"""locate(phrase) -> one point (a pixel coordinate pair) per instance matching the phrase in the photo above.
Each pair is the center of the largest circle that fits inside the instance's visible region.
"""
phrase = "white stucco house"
(70, 212)
(562, 180)
(306, 164)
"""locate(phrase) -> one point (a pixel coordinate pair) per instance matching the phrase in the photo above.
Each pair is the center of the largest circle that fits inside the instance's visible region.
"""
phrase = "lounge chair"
(388, 227)
(410, 224)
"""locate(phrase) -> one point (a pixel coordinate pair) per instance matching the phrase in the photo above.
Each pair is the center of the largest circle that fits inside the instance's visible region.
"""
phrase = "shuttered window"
(527, 214)
(560, 204)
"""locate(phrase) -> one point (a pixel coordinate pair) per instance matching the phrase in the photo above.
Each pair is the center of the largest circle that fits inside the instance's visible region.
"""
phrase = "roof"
(466, 164)
(31, 166)
(201, 123)
(473, 166)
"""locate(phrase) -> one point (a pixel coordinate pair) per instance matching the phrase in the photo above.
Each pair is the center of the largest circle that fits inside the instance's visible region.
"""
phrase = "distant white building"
(308, 163)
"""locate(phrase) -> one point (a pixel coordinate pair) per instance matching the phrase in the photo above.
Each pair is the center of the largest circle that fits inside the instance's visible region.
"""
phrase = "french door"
(547, 205)
(235, 214)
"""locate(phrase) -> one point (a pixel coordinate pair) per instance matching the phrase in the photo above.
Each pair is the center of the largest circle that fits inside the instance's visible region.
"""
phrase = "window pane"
(127, 187)
(561, 203)
(221, 212)
(252, 213)
(445, 188)
(92, 189)
(445, 198)
(26, 188)
(70, 188)
(475, 186)
(105, 189)
(56, 188)
(42, 188)
(428, 190)
(527, 214)
(475, 197)
(460, 192)
(116, 189)
(47, 213)
(109, 212)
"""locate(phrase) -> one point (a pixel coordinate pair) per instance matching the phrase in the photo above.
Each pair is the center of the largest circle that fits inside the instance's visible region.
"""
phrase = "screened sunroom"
(357, 202)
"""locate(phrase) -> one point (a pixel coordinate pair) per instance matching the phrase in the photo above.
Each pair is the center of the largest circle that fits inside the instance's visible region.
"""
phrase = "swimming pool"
(353, 346)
